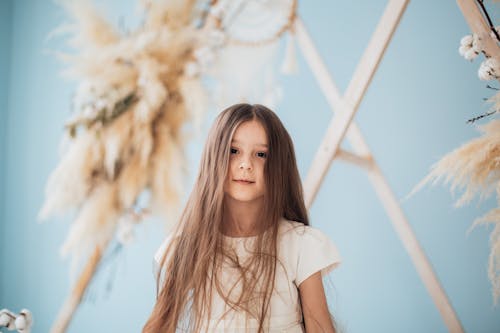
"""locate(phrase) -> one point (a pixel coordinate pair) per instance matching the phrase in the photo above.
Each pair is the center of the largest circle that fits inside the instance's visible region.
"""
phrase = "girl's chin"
(244, 198)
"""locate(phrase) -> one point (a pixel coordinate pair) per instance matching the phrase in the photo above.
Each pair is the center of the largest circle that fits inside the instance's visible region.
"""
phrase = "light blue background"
(413, 113)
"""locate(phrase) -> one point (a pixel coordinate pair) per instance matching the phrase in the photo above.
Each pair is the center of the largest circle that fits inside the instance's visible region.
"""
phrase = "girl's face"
(249, 149)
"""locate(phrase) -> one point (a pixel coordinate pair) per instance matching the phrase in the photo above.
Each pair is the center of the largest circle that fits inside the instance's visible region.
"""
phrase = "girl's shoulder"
(293, 229)
(297, 235)
(161, 250)
(307, 250)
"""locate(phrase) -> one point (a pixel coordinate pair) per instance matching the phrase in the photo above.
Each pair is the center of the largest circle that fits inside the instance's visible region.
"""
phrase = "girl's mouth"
(241, 181)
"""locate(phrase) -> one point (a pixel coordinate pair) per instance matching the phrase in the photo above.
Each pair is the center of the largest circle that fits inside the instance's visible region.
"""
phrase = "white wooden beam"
(414, 250)
(364, 162)
(345, 107)
(343, 124)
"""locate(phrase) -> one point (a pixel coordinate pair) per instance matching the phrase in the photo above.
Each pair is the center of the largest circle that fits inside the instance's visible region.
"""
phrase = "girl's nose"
(245, 165)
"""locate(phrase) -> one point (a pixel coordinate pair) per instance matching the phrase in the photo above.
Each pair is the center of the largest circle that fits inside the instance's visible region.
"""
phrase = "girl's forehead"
(250, 132)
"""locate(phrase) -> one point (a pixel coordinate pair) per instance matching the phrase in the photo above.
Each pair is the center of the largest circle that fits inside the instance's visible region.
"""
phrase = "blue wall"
(5, 40)
(413, 113)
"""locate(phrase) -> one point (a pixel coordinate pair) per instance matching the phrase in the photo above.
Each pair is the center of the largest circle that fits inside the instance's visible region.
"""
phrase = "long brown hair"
(190, 267)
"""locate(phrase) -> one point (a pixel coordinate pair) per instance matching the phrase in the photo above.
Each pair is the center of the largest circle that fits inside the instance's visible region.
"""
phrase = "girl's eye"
(262, 154)
(234, 150)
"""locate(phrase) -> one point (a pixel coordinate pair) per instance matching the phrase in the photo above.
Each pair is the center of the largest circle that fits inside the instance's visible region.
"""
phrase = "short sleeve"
(316, 253)
(159, 255)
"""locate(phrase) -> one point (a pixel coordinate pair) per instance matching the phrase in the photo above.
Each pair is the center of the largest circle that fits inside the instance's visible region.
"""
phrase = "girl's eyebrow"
(257, 144)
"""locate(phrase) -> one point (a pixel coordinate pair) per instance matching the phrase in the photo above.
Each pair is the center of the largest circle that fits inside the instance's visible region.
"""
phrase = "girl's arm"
(314, 307)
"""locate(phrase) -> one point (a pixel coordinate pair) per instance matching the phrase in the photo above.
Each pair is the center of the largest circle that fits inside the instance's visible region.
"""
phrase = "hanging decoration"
(475, 166)
(245, 68)
(126, 133)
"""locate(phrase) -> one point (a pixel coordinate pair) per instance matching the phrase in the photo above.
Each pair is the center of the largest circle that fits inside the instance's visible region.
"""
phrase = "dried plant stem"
(485, 12)
(68, 309)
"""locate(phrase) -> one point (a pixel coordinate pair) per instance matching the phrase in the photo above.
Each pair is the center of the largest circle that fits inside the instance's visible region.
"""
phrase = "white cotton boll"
(27, 318)
(462, 49)
(470, 54)
(4, 319)
(483, 73)
(470, 46)
(466, 40)
(493, 67)
(20, 322)
(7, 319)
(486, 71)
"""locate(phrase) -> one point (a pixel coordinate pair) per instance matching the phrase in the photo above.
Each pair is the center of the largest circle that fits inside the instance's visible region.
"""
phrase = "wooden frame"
(342, 125)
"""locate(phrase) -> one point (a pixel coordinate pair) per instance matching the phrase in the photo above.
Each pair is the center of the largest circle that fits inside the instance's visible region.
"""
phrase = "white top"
(303, 251)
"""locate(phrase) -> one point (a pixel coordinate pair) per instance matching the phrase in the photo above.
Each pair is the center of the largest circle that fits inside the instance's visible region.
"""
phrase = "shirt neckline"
(238, 237)
(247, 237)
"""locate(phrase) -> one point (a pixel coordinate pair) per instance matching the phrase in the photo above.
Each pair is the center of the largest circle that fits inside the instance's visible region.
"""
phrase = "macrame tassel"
(289, 65)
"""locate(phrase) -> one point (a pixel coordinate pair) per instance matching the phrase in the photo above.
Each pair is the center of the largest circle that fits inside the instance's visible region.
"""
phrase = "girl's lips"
(243, 181)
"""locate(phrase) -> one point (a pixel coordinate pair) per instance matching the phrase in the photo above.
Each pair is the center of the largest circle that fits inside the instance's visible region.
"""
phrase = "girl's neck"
(242, 219)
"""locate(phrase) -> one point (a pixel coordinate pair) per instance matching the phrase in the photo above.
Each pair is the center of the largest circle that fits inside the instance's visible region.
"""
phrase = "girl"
(243, 257)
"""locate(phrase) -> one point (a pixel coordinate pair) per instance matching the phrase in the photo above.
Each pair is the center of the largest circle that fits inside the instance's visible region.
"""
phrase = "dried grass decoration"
(127, 134)
(128, 131)
(136, 94)
(475, 166)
